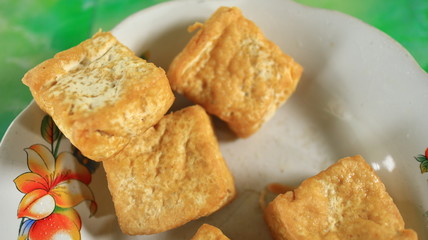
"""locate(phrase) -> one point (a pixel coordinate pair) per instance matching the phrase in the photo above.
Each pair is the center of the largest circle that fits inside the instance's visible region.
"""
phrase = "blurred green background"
(34, 30)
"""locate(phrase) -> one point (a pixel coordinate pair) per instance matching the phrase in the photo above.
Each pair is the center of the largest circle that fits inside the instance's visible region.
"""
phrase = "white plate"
(361, 93)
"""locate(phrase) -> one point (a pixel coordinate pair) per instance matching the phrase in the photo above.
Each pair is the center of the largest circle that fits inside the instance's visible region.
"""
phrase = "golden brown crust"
(346, 201)
(234, 72)
(100, 94)
(208, 232)
(169, 175)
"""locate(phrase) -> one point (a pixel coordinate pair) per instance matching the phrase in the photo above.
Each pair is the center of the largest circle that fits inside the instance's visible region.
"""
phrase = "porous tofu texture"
(170, 175)
(100, 94)
(346, 201)
(231, 69)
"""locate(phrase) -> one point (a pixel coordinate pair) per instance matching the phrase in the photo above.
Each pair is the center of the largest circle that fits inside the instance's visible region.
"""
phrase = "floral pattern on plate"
(55, 184)
(423, 159)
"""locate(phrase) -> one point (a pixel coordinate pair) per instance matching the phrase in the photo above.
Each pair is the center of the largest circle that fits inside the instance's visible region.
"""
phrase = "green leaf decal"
(145, 55)
(424, 167)
(421, 158)
(90, 164)
(49, 130)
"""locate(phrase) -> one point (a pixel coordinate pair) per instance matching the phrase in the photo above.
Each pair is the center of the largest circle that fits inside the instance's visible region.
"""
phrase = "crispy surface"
(208, 232)
(234, 72)
(100, 94)
(170, 175)
(346, 201)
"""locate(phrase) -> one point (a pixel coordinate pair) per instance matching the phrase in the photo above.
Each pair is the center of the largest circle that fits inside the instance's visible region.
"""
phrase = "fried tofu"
(209, 232)
(171, 174)
(346, 201)
(100, 94)
(231, 69)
